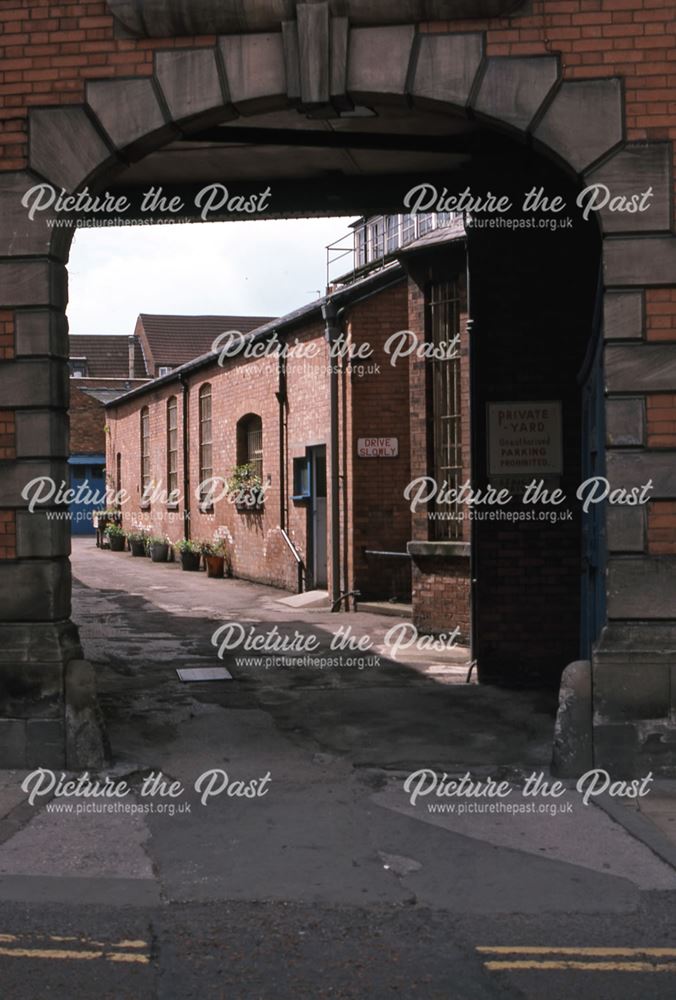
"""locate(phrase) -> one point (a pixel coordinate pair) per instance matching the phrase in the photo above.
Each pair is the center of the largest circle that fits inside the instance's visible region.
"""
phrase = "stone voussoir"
(584, 121)
(65, 147)
(255, 68)
(631, 173)
(512, 90)
(446, 68)
(130, 113)
(378, 63)
(190, 83)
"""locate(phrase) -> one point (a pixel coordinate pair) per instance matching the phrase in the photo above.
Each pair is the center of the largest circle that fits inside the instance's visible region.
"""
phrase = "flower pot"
(138, 547)
(159, 551)
(215, 566)
(116, 543)
(190, 561)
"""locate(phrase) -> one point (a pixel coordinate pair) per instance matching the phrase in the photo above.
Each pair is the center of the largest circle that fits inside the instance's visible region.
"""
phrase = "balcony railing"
(374, 241)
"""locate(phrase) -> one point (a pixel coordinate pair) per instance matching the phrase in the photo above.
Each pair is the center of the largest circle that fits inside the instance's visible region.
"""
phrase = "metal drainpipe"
(186, 457)
(330, 316)
(281, 399)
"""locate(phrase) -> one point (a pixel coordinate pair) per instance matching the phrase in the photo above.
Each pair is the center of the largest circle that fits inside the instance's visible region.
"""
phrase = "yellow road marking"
(68, 954)
(36, 945)
(127, 957)
(583, 966)
(601, 952)
(59, 953)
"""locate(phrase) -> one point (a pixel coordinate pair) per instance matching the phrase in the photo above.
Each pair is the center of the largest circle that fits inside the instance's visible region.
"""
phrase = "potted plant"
(245, 489)
(102, 518)
(159, 548)
(116, 537)
(214, 557)
(137, 542)
(190, 553)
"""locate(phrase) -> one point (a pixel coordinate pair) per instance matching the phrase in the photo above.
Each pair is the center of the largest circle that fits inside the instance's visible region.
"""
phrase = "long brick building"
(343, 108)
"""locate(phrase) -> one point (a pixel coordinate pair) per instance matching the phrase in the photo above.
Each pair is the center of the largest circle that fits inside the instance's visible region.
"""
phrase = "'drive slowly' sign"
(524, 437)
(378, 447)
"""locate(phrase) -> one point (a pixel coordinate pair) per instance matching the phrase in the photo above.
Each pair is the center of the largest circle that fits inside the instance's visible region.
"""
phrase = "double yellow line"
(70, 948)
(524, 958)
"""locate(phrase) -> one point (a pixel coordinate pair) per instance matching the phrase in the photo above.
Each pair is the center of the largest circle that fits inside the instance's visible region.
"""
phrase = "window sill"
(439, 550)
(172, 507)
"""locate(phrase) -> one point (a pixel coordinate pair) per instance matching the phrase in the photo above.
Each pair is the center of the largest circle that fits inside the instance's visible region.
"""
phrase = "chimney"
(132, 356)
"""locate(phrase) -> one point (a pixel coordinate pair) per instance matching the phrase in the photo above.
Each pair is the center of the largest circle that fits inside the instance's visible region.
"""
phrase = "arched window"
(145, 449)
(172, 445)
(250, 443)
(205, 438)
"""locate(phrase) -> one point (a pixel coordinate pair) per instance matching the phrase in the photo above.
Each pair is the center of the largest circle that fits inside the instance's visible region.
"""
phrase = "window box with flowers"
(245, 490)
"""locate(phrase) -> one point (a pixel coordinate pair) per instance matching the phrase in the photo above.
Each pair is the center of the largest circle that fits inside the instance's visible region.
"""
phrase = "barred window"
(172, 445)
(145, 449)
(205, 439)
(444, 326)
(250, 443)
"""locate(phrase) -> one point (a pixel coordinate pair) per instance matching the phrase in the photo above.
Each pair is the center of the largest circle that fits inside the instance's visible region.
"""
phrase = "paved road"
(332, 884)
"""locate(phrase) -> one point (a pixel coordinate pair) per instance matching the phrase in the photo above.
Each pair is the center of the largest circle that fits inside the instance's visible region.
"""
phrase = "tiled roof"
(175, 340)
(107, 355)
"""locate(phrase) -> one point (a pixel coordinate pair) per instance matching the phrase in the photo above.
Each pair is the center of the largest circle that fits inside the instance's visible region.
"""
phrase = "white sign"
(525, 438)
(378, 447)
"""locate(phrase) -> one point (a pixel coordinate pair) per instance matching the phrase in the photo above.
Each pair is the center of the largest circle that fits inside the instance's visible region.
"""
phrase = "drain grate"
(187, 674)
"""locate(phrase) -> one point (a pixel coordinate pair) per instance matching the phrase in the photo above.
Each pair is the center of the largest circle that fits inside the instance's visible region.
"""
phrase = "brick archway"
(313, 62)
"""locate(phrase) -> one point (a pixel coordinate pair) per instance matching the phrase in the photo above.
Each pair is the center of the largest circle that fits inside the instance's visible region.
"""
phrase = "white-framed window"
(377, 239)
(172, 444)
(163, 370)
(360, 248)
(393, 239)
(407, 229)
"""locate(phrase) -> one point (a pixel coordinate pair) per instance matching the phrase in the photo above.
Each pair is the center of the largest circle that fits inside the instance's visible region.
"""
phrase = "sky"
(264, 268)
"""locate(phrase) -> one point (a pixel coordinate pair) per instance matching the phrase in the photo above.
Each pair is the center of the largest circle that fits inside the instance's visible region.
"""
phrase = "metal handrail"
(297, 556)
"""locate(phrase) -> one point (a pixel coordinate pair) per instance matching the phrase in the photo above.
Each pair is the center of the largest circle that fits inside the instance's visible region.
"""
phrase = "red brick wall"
(87, 424)
(662, 527)
(257, 549)
(7, 435)
(6, 335)
(380, 408)
(7, 534)
(441, 587)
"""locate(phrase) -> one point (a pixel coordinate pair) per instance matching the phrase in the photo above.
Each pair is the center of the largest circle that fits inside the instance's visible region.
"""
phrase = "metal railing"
(373, 242)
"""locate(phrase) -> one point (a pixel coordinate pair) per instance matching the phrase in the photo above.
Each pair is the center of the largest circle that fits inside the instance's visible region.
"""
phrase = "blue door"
(89, 473)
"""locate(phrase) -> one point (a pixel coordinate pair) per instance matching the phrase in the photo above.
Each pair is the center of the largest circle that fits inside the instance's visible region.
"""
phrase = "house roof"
(363, 288)
(107, 355)
(175, 340)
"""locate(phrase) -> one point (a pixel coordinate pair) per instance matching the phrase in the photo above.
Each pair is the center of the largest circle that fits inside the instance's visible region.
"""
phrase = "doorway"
(317, 517)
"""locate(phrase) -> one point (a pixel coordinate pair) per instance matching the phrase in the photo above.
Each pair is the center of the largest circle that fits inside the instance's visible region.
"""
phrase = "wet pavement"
(267, 844)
